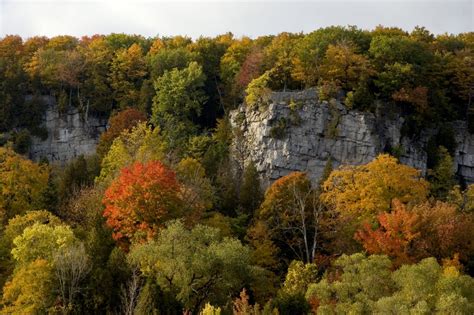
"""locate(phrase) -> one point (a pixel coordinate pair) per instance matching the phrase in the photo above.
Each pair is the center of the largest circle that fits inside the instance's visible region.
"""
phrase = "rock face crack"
(70, 134)
(357, 138)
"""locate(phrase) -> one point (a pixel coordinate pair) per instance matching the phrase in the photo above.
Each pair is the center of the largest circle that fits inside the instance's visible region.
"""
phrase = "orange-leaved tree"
(140, 200)
(395, 236)
(445, 231)
(356, 194)
(435, 229)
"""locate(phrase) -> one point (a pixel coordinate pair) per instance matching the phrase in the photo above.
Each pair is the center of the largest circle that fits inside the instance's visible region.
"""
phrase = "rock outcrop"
(297, 132)
(70, 134)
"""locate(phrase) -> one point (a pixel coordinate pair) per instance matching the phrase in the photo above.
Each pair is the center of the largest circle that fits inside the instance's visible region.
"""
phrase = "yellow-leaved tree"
(30, 289)
(364, 191)
(344, 66)
(258, 93)
(22, 184)
(141, 143)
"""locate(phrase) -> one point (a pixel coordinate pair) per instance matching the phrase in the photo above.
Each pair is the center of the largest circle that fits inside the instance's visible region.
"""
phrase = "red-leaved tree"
(140, 200)
(430, 229)
(250, 69)
(394, 237)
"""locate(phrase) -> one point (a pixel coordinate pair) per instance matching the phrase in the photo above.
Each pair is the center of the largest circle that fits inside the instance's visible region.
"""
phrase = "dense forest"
(164, 219)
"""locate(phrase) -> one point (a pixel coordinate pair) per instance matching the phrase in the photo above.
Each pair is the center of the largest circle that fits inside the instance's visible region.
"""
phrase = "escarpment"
(296, 131)
(70, 134)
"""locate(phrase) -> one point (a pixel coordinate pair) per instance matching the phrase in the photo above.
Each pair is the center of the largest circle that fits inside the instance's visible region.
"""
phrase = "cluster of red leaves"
(428, 229)
(417, 96)
(394, 236)
(141, 199)
(250, 68)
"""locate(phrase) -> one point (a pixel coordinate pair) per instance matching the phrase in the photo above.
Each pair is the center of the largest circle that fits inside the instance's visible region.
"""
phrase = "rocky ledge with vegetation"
(351, 196)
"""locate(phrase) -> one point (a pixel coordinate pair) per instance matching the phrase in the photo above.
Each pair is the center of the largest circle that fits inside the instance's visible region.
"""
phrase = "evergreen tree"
(441, 177)
(251, 194)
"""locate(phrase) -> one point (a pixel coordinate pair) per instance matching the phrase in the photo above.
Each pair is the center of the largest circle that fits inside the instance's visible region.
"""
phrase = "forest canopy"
(427, 78)
(169, 217)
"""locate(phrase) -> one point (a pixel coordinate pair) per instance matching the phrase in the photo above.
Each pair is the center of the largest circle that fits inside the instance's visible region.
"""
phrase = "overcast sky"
(208, 18)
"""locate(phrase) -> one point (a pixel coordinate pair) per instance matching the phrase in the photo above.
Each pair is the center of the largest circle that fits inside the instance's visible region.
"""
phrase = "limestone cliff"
(70, 134)
(297, 132)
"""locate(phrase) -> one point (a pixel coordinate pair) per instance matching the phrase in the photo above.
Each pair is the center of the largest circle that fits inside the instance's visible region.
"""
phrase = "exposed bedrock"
(70, 134)
(297, 132)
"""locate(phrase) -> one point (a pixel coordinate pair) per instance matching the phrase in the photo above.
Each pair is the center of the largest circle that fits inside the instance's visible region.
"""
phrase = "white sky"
(209, 18)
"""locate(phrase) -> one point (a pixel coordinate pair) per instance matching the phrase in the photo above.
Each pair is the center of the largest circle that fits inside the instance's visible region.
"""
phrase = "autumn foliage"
(445, 231)
(205, 233)
(123, 120)
(369, 189)
(418, 97)
(140, 200)
(395, 235)
(291, 212)
(344, 66)
(250, 69)
(22, 184)
(428, 229)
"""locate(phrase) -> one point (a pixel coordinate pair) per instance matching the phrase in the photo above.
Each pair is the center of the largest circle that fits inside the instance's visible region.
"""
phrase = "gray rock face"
(297, 132)
(70, 134)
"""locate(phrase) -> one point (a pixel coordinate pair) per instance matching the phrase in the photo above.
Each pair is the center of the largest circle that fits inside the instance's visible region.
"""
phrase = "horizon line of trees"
(167, 217)
(428, 78)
